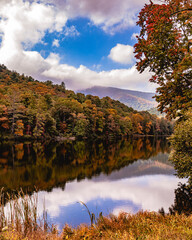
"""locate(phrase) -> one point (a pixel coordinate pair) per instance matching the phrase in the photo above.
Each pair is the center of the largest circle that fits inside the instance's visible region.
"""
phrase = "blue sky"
(87, 44)
(83, 43)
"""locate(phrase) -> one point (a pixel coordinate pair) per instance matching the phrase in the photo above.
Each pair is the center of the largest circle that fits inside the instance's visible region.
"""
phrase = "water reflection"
(183, 200)
(182, 162)
(128, 194)
(128, 175)
(48, 165)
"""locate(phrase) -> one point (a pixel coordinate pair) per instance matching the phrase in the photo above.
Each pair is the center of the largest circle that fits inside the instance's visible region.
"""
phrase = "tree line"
(30, 108)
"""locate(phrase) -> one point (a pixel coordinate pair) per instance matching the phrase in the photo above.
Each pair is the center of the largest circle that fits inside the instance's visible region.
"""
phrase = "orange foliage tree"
(165, 48)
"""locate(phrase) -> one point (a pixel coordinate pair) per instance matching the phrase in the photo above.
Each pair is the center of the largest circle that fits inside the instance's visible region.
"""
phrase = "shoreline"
(73, 138)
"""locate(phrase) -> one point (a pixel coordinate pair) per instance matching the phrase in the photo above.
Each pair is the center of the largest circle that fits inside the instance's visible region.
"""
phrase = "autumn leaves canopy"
(165, 48)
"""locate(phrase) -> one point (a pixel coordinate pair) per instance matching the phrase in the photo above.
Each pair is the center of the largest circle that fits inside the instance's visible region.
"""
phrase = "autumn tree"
(137, 120)
(33, 109)
(16, 110)
(182, 144)
(4, 120)
(125, 125)
(39, 129)
(81, 125)
(164, 47)
(19, 127)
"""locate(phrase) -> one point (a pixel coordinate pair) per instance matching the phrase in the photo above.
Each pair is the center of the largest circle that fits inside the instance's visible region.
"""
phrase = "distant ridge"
(135, 99)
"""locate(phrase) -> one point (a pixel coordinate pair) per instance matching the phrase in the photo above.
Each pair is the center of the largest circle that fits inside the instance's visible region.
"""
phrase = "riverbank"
(143, 225)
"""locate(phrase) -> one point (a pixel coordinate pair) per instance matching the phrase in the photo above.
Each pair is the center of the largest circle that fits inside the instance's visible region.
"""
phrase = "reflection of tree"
(47, 165)
(183, 201)
(181, 157)
(19, 151)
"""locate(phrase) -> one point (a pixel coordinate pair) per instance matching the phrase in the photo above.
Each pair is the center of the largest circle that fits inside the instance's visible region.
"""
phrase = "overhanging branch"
(182, 10)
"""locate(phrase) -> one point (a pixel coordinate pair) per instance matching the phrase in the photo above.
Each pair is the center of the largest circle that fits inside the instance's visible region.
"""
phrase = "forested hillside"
(29, 108)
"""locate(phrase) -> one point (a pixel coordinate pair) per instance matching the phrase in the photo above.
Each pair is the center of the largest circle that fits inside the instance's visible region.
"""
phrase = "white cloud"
(108, 14)
(53, 60)
(60, 20)
(55, 43)
(122, 54)
(24, 24)
(82, 77)
(71, 31)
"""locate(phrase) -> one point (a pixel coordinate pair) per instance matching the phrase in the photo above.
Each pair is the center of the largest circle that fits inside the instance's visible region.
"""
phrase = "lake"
(126, 175)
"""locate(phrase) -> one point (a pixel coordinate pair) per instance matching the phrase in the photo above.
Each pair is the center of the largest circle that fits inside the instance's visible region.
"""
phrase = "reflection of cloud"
(123, 208)
(149, 192)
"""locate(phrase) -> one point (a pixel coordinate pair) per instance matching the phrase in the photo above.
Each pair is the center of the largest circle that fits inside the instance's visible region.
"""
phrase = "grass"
(18, 216)
(19, 220)
(143, 225)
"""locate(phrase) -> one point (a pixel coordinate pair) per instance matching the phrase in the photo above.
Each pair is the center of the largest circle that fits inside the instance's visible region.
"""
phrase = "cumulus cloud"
(24, 24)
(82, 77)
(122, 54)
(108, 14)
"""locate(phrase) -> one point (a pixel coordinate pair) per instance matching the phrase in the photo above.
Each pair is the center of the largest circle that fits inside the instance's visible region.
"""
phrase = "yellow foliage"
(19, 128)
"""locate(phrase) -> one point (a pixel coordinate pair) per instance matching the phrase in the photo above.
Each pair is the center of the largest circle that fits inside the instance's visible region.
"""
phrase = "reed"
(18, 211)
(19, 220)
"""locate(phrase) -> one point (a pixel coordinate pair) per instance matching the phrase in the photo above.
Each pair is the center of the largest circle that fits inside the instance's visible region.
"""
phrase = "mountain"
(152, 166)
(135, 99)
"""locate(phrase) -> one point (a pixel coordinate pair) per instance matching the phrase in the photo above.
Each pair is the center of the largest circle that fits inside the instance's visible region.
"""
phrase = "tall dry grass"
(18, 210)
(143, 225)
(19, 220)
(19, 215)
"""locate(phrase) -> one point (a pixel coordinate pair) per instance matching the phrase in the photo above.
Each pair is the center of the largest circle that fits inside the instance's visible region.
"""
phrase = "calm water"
(128, 175)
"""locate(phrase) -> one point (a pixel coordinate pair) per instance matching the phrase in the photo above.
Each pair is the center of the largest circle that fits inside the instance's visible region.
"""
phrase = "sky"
(84, 43)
